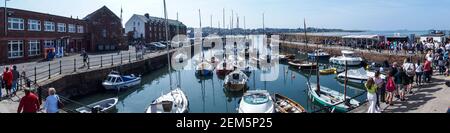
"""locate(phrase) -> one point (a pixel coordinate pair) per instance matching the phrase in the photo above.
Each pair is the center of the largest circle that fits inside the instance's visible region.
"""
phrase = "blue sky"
(343, 14)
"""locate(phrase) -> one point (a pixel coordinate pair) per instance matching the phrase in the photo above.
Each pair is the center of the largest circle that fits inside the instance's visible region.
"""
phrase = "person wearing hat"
(29, 103)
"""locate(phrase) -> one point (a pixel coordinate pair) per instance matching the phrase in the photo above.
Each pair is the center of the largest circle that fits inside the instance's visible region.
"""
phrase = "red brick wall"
(105, 20)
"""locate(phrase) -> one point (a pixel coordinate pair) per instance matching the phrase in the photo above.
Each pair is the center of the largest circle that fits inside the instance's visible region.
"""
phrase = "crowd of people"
(401, 79)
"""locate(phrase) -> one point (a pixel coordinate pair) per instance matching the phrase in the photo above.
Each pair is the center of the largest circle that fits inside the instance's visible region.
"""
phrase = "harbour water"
(209, 96)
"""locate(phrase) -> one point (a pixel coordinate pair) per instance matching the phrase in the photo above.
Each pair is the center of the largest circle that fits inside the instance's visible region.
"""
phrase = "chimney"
(147, 16)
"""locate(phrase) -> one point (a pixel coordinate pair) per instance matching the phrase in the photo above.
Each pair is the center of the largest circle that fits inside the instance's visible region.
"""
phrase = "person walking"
(372, 96)
(85, 58)
(380, 90)
(427, 69)
(16, 76)
(419, 73)
(29, 103)
(8, 79)
(402, 82)
(390, 89)
(410, 70)
(51, 102)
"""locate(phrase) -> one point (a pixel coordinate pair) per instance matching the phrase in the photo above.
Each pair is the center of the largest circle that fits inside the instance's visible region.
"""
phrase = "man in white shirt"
(447, 46)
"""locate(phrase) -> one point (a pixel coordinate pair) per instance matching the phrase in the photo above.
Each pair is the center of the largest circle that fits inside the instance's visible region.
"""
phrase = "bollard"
(112, 60)
(101, 61)
(39, 93)
(49, 71)
(121, 58)
(60, 67)
(129, 57)
(75, 65)
(35, 74)
(89, 62)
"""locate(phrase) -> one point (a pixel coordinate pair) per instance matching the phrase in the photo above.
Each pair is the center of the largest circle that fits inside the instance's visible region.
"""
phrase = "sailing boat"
(329, 97)
(175, 101)
(203, 68)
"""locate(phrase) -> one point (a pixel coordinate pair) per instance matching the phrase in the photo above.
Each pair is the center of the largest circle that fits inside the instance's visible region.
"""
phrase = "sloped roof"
(151, 18)
(104, 8)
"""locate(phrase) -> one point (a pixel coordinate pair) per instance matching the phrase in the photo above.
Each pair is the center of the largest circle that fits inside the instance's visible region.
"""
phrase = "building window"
(34, 25)
(15, 24)
(49, 44)
(72, 28)
(80, 29)
(61, 27)
(49, 26)
(15, 49)
(104, 33)
(34, 48)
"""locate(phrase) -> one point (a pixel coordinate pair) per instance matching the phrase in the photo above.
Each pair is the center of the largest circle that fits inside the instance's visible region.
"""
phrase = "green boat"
(331, 98)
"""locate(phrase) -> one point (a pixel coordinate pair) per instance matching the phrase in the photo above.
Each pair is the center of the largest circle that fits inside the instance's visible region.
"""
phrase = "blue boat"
(115, 81)
(322, 55)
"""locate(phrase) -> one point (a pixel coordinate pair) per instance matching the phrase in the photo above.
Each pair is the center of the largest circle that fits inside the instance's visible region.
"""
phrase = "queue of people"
(401, 79)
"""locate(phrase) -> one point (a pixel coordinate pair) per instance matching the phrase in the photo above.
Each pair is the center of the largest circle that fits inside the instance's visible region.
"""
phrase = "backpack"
(390, 85)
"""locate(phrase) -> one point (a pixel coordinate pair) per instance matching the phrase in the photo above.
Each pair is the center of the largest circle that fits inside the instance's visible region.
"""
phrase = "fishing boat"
(303, 65)
(173, 102)
(287, 57)
(224, 68)
(328, 71)
(115, 81)
(284, 104)
(347, 56)
(236, 80)
(204, 69)
(256, 101)
(359, 76)
(320, 54)
(331, 98)
(103, 106)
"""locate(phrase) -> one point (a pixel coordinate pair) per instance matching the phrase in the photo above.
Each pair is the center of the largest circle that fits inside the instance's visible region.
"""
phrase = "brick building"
(29, 34)
(152, 29)
(106, 31)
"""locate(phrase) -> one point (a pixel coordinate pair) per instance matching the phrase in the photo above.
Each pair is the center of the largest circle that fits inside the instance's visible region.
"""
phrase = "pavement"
(430, 98)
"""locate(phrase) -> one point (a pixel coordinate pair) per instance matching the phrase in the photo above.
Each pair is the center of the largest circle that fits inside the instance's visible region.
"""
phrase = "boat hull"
(123, 85)
(235, 87)
(349, 62)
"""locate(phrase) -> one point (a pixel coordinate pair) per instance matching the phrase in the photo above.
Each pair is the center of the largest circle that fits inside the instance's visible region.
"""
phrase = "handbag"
(60, 103)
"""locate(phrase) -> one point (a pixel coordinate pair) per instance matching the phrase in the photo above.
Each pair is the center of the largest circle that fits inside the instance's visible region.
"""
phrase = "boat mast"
(167, 40)
(201, 36)
(304, 28)
(345, 84)
(317, 62)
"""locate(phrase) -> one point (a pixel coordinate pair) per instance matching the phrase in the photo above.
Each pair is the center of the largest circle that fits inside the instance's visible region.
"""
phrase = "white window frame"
(34, 25)
(72, 28)
(18, 53)
(61, 27)
(34, 48)
(49, 43)
(19, 22)
(49, 26)
(80, 29)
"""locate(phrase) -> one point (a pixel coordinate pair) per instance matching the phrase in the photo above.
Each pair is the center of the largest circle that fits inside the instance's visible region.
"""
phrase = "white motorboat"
(204, 69)
(320, 54)
(347, 56)
(173, 102)
(104, 106)
(236, 80)
(115, 81)
(359, 76)
(331, 98)
(256, 101)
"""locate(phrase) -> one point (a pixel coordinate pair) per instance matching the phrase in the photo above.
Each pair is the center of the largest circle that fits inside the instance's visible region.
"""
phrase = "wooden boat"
(236, 81)
(224, 68)
(287, 57)
(104, 106)
(284, 104)
(328, 71)
(173, 102)
(331, 98)
(303, 65)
